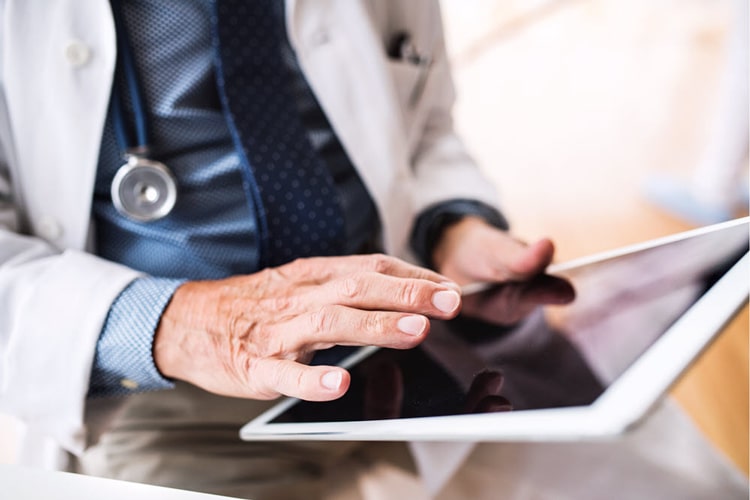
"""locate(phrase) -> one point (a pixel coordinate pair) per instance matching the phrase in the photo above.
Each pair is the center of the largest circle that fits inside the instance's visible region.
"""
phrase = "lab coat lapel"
(339, 52)
(342, 58)
(58, 120)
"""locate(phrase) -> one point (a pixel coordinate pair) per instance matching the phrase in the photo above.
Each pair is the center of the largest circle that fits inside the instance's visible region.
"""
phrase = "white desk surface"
(22, 483)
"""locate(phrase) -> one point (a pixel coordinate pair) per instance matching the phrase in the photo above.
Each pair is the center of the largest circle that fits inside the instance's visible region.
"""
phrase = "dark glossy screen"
(489, 360)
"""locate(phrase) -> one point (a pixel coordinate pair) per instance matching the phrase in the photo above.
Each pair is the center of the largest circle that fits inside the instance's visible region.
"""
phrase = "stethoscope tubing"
(126, 67)
(142, 189)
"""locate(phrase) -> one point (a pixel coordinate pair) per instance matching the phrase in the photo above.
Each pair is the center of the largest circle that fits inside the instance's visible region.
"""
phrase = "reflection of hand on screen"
(484, 393)
(508, 303)
(384, 391)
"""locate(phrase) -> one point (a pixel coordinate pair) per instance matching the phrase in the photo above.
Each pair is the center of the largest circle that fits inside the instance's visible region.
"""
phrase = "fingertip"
(547, 244)
(331, 380)
(297, 380)
(413, 324)
(447, 301)
(535, 258)
(491, 381)
(335, 381)
(544, 250)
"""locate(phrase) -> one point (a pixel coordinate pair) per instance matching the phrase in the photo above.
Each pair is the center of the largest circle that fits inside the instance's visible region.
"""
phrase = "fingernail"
(447, 300)
(413, 325)
(331, 380)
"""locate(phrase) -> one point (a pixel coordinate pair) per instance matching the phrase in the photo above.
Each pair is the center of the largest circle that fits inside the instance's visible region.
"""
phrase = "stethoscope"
(142, 189)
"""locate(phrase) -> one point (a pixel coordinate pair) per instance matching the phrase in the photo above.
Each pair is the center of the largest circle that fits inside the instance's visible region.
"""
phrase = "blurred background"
(571, 107)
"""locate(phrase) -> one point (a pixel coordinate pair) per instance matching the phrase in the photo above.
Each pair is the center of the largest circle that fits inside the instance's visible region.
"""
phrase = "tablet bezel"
(622, 405)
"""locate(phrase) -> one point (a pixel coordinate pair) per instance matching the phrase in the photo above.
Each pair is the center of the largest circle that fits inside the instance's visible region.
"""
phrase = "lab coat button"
(49, 229)
(77, 53)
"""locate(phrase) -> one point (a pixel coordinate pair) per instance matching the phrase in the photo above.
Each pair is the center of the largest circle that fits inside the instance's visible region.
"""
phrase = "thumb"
(531, 260)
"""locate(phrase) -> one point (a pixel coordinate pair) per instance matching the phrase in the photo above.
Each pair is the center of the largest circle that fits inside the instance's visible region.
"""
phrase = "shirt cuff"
(124, 362)
(429, 227)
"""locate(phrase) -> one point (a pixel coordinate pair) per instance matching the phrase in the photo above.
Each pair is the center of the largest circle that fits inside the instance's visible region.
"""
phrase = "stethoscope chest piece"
(143, 190)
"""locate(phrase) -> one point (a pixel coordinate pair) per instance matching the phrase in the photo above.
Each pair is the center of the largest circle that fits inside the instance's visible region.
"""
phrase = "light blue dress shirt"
(213, 230)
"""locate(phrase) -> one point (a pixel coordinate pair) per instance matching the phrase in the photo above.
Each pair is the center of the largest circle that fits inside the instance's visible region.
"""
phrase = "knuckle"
(264, 388)
(410, 293)
(351, 287)
(297, 267)
(276, 382)
(300, 268)
(288, 380)
(299, 379)
(381, 263)
(373, 323)
(323, 319)
(280, 303)
(266, 277)
(238, 326)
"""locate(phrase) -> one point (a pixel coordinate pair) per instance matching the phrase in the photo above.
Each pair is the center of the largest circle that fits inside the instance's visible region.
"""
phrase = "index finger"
(320, 269)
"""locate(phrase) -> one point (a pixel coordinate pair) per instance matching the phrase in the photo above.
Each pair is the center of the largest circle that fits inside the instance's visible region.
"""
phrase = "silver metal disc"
(144, 190)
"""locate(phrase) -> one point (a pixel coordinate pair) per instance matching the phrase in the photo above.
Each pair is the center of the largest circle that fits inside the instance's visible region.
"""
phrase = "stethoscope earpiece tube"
(142, 189)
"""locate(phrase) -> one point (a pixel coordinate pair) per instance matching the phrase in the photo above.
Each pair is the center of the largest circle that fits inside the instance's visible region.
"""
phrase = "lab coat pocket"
(409, 81)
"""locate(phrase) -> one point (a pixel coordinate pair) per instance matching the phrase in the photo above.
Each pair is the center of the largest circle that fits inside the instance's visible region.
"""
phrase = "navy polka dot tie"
(300, 214)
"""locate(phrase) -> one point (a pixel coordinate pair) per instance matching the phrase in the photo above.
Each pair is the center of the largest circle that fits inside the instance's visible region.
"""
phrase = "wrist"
(430, 224)
(171, 342)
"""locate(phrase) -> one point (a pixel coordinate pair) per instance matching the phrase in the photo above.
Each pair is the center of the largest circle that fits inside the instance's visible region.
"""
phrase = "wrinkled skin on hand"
(251, 336)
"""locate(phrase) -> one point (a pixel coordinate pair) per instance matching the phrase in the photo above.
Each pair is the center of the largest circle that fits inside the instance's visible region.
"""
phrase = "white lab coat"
(56, 68)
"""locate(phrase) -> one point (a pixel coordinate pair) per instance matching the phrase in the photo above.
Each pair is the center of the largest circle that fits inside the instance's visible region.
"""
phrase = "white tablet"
(593, 368)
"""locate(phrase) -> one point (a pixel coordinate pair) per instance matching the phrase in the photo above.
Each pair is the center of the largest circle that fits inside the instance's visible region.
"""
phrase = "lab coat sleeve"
(53, 302)
(52, 307)
(442, 167)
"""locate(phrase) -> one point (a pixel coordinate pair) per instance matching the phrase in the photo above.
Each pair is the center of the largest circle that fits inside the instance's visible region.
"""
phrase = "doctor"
(183, 190)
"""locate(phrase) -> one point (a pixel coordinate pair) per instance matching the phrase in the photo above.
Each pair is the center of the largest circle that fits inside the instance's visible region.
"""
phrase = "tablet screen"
(500, 355)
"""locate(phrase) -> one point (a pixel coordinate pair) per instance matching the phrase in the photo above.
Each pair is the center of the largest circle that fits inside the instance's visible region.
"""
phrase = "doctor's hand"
(472, 251)
(252, 336)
